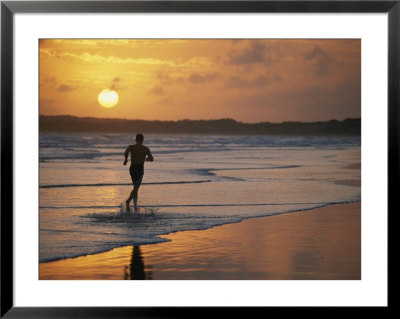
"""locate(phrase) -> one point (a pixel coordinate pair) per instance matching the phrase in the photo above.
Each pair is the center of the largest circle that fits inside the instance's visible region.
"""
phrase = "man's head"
(139, 138)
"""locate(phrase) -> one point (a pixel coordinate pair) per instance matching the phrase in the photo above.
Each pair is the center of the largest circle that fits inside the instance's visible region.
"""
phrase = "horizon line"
(218, 119)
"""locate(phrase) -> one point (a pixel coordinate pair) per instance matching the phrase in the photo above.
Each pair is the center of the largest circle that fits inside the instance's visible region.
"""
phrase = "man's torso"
(138, 154)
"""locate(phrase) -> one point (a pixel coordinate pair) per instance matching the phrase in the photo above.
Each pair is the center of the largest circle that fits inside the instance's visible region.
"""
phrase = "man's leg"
(135, 196)
(129, 199)
(136, 191)
(131, 194)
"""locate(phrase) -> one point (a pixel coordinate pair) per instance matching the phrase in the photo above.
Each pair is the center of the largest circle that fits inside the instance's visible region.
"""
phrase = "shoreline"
(321, 243)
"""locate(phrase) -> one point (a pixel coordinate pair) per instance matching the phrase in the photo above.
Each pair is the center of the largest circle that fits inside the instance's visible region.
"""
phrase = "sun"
(108, 98)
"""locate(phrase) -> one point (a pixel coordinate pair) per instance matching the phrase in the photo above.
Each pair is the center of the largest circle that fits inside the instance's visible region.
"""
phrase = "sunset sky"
(246, 80)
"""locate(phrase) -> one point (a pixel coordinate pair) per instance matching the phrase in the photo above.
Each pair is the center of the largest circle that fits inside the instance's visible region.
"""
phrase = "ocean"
(195, 182)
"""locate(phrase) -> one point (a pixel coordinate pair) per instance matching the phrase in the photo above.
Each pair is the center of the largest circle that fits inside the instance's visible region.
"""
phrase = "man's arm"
(149, 157)
(126, 154)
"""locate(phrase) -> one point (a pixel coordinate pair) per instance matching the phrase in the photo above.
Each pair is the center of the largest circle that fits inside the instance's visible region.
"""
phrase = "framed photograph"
(163, 155)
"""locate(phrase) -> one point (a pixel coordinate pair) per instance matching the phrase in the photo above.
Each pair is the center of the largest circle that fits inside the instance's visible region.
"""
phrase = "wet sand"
(318, 244)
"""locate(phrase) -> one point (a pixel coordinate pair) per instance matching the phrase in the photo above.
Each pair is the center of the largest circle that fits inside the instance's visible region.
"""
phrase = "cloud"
(47, 102)
(166, 79)
(197, 78)
(97, 58)
(303, 103)
(236, 41)
(115, 83)
(51, 80)
(63, 88)
(157, 90)
(235, 82)
(258, 52)
(48, 82)
(320, 60)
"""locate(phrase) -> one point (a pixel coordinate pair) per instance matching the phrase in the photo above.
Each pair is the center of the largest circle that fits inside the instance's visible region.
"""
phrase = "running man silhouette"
(139, 155)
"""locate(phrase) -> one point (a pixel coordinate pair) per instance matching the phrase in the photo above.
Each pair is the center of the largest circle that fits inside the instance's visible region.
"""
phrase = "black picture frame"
(9, 8)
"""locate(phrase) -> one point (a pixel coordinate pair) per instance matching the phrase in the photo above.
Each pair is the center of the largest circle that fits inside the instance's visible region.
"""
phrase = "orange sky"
(247, 80)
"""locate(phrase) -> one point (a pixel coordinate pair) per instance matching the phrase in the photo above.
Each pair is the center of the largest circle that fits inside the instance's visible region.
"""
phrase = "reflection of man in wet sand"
(136, 270)
(139, 154)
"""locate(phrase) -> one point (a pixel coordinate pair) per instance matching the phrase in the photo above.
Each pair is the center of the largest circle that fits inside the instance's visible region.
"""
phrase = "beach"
(317, 244)
(240, 159)
(210, 207)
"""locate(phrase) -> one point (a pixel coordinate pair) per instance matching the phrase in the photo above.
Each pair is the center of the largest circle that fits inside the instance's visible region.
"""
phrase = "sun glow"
(108, 98)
